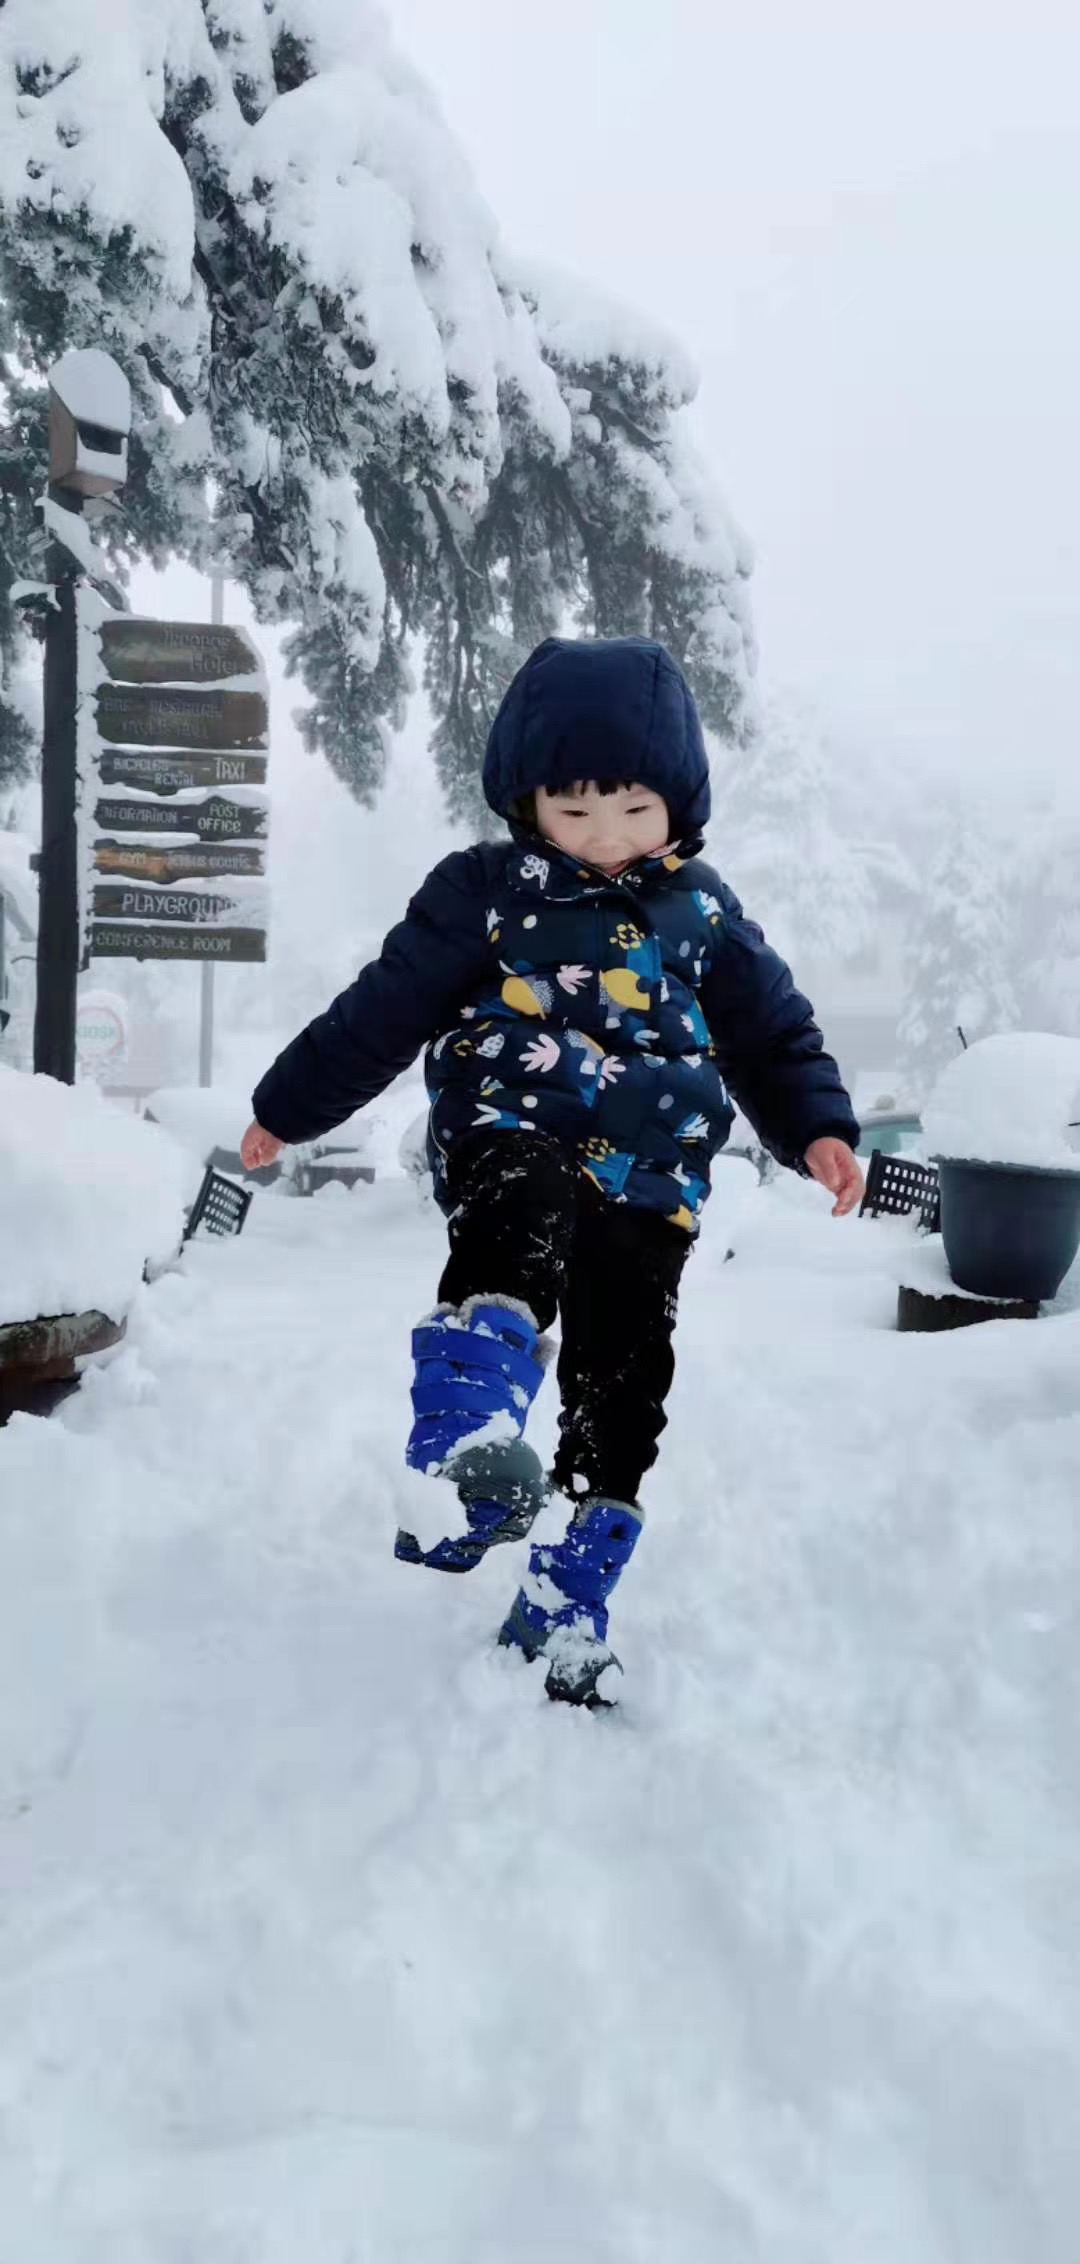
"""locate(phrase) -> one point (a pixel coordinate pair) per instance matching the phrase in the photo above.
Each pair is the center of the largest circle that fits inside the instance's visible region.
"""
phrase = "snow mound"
(1010, 1099)
(201, 1118)
(87, 1195)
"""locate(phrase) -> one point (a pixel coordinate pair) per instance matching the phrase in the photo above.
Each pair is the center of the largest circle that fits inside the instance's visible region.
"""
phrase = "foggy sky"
(863, 221)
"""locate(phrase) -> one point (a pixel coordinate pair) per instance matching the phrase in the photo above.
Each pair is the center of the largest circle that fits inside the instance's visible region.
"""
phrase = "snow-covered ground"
(323, 1936)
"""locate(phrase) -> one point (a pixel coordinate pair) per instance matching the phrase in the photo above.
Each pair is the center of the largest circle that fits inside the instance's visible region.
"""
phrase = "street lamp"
(89, 425)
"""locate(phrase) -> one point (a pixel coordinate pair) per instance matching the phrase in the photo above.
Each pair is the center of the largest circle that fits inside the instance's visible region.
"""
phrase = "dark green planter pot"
(1009, 1230)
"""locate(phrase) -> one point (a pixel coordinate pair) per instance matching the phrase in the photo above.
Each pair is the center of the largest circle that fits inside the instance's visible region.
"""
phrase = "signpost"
(144, 715)
(192, 906)
(217, 819)
(163, 739)
(133, 940)
(176, 652)
(137, 860)
(171, 774)
(157, 711)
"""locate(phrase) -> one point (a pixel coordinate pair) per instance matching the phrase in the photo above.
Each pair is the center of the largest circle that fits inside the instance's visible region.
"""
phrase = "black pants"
(524, 1223)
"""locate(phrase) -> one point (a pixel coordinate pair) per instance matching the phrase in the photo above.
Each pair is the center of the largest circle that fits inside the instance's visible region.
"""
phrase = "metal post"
(58, 917)
(207, 1022)
(206, 999)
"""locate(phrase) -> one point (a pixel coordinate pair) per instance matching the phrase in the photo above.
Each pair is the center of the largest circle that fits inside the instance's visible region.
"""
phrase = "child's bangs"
(577, 788)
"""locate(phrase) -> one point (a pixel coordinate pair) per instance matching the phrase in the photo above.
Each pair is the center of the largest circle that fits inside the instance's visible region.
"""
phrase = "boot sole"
(584, 1693)
(462, 1555)
(561, 1693)
(484, 1474)
(593, 1703)
(560, 1689)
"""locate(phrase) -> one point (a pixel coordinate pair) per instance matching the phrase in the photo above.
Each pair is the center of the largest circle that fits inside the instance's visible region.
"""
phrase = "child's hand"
(833, 1165)
(258, 1148)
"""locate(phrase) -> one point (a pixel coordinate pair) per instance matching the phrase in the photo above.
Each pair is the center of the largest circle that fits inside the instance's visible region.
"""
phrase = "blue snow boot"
(478, 1370)
(560, 1609)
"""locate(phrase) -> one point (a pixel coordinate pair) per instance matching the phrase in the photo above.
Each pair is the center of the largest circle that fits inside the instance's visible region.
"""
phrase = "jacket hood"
(603, 708)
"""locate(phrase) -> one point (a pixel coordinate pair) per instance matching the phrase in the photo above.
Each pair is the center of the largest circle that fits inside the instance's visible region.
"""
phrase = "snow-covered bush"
(88, 1194)
(260, 211)
(1009, 1099)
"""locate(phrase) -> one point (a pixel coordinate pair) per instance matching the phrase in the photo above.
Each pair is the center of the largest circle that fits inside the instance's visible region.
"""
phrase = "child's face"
(609, 830)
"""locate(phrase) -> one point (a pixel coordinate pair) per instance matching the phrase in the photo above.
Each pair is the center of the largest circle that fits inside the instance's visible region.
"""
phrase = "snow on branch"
(257, 207)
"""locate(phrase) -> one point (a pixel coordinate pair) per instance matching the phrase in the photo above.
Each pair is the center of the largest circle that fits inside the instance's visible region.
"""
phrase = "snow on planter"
(87, 1195)
(1013, 1099)
(1003, 1123)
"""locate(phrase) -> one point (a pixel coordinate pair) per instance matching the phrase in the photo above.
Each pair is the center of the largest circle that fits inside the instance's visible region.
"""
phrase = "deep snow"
(88, 1195)
(324, 1936)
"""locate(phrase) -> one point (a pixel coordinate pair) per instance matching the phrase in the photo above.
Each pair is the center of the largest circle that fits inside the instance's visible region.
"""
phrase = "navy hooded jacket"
(615, 1014)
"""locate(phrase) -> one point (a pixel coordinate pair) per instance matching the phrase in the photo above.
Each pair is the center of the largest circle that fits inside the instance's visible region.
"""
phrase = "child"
(588, 992)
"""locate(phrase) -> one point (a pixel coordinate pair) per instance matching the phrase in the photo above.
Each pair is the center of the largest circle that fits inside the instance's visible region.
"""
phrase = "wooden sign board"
(216, 819)
(134, 941)
(187, 905)
(197, 860)
(169, 774)
(144, 715)
(175, 652)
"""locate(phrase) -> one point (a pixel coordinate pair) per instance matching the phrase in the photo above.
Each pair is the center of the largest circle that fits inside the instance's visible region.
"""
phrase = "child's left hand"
(833, 1165)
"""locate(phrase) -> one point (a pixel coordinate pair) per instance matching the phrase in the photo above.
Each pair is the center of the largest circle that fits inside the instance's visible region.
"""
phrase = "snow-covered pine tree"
(619, 532)
(22, 444)
(256, 206)
(960, 967)
(784, 836)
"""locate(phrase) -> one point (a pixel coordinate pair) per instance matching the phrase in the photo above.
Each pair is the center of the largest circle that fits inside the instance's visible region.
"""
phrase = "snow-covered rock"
(87, 1195)
(1010, 1099)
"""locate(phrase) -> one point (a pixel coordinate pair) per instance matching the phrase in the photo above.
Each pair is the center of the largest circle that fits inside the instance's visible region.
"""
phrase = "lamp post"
(89, 423)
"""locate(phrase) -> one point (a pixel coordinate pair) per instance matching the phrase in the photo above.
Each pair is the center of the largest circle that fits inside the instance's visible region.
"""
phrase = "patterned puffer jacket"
(623, 1017)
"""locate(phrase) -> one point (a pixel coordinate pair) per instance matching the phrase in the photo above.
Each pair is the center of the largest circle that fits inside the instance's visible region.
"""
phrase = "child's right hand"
(258, 1148)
